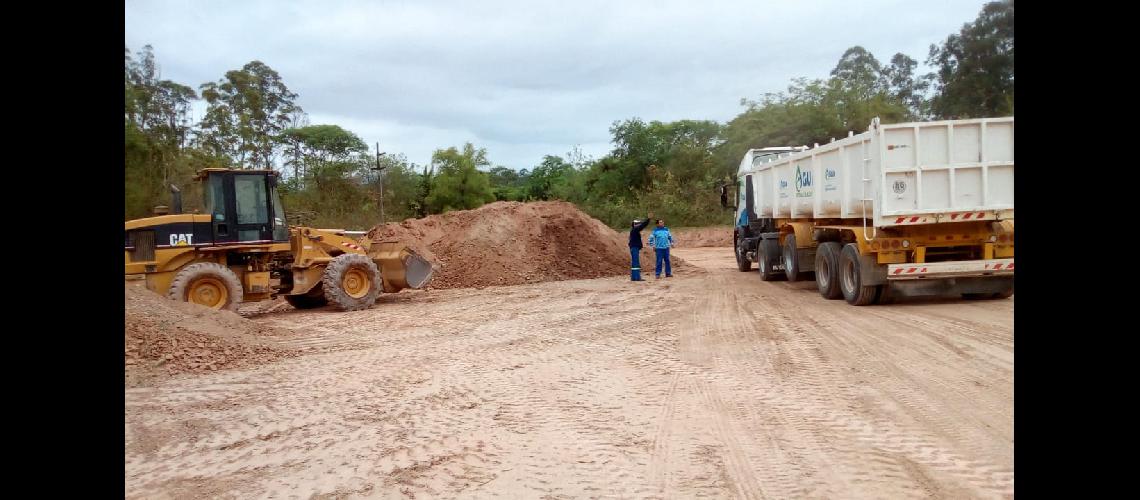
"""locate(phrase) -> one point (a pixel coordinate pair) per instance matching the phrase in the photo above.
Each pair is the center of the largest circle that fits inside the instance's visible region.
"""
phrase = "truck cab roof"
(759, 154)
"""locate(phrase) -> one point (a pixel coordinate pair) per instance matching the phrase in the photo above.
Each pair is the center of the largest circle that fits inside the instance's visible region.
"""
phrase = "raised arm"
(644, 223)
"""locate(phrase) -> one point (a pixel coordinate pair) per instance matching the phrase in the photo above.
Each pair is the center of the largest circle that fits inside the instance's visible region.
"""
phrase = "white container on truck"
(910, 208)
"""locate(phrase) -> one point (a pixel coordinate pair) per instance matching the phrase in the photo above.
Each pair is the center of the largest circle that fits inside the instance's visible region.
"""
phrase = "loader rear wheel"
(827, 270)
(207, 284)
(851, 278)
(351, 282)
(311, 300)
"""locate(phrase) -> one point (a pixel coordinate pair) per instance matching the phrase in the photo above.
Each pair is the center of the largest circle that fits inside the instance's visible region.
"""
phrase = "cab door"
(252, 222)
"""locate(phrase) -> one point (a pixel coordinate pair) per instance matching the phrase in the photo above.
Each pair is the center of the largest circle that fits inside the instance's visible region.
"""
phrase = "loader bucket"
(400, 267)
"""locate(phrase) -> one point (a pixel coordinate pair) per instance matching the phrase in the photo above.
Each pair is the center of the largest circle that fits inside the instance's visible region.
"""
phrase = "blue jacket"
(660, 238)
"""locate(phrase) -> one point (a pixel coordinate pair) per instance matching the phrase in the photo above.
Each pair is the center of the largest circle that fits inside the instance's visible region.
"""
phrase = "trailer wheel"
(311, 300)
(792, 260)
(1004, 294)
(351, 282)
(851, 279)
(827, 270)
(742, 261)
(765, 260)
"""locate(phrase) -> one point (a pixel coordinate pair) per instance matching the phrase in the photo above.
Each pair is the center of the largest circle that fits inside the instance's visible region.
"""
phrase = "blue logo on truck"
(803, 179)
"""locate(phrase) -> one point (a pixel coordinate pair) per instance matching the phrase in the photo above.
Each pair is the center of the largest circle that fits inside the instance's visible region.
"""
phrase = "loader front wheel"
(351, 282)
(207, 284)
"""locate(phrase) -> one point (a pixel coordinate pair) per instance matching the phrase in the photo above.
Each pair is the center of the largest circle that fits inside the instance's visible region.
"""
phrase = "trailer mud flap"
(952, 286)
(870, 271)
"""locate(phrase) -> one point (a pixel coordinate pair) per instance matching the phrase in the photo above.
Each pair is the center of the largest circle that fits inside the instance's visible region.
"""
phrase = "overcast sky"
(526, 78)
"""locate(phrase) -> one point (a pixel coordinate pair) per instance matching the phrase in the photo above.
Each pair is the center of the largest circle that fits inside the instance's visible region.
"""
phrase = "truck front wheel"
(742, 261)
(851, 278)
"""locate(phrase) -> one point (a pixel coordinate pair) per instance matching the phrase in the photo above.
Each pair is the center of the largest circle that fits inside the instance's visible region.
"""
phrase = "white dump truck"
(908, 208)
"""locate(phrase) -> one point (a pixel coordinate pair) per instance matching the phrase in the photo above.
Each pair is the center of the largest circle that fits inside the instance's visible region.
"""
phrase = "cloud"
(525, 78)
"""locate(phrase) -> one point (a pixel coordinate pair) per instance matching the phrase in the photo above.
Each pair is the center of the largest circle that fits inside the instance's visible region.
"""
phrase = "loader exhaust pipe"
(175, 199)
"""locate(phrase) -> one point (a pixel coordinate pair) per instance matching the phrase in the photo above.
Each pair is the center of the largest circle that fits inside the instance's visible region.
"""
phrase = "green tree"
(508, 184)
(311, 147)
(401, 187)
(247, 111)
(859, 73)
(907, 88)
(427, 179)
(541, 180)
(974, 76)
(458, 184)
(156, 127)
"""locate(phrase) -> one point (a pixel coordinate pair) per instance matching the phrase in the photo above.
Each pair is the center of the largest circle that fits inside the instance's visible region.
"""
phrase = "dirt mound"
(713, 236)
(166, 337)
(511, 243)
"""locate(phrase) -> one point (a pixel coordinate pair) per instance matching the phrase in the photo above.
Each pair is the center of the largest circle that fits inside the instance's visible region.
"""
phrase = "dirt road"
(710, 384)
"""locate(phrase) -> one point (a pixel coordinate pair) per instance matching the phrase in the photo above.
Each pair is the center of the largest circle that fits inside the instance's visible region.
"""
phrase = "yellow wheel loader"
(241, 250)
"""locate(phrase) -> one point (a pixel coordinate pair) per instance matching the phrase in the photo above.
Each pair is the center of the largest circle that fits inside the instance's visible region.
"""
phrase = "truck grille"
(142, 245)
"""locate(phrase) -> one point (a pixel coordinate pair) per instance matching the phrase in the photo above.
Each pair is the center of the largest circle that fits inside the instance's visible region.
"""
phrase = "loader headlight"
(993, 238)
(906, 243)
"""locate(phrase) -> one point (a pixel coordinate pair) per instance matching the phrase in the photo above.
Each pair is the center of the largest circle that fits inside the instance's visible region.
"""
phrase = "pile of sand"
(692, 237)
(166, 337)
(511, 243)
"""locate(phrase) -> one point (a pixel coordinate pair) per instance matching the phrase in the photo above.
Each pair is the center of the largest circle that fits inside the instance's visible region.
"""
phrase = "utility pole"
(380, 169)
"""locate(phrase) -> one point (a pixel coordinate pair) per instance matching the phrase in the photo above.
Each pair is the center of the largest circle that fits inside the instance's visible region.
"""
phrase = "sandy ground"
(709, 384)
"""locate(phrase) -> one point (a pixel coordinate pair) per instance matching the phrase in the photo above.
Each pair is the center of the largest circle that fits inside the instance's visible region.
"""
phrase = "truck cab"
(748, 226)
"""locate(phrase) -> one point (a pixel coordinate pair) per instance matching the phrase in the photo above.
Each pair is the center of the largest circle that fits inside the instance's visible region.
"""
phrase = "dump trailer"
(910, 208)
(242, 250)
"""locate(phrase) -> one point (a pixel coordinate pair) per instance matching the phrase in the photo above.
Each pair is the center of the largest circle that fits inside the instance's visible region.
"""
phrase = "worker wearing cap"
(635, 247)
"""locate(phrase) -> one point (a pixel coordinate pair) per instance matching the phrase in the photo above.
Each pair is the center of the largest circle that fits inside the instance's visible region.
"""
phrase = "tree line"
(253, 120)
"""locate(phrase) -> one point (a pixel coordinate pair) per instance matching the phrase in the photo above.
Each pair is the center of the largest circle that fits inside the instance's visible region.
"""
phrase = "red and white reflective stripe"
(953, 268)
(911, 220)
(352, 246)
(1000, 266)
(930, 219)
(968, 215)
(910, 270)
